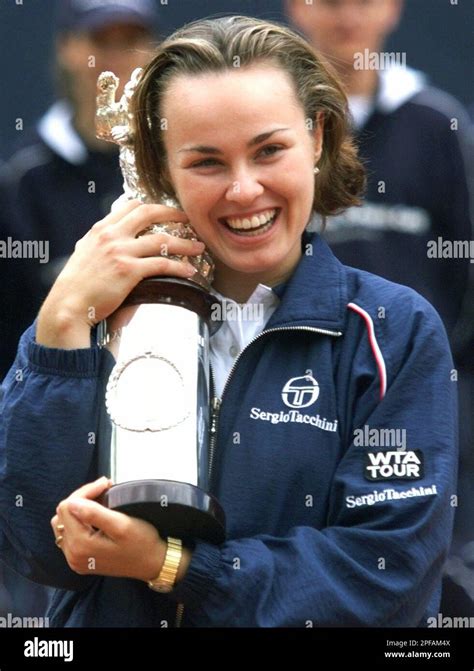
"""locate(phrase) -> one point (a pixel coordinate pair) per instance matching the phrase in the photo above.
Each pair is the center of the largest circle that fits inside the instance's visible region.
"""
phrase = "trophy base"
(174, 508)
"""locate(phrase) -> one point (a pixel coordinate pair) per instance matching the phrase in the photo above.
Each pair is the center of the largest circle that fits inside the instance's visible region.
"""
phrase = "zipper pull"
(215, 407)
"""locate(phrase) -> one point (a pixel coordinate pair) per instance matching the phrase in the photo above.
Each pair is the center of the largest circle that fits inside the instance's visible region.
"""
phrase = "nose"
(245, 186)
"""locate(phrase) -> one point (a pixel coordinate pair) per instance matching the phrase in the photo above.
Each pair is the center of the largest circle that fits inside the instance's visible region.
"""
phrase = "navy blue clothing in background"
(57, 189)
(417, 146)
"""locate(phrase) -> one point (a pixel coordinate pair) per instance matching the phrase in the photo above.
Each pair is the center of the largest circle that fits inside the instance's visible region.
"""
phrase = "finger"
(120, 209)
(164, 267)
(91, 490)
(58, 530)
(140, 217)
(57, 533)
(54, 523)
(75, 528)
(57, 522)
(92, 514)
(165, 245)
(121, 200)
(79, 542)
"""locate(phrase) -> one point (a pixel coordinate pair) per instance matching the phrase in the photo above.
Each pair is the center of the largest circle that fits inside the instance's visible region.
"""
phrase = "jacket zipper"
(180, 607)
(215, 408)
(216, 403)
(179, 615)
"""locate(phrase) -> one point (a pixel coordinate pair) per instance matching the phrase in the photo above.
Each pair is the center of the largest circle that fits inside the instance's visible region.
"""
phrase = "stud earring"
(316, 170)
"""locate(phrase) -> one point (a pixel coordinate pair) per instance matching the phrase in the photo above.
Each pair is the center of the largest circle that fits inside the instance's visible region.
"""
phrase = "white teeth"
(254, 222)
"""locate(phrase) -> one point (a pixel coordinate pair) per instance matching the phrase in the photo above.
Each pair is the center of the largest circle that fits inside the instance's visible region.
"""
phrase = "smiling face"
(241, 161)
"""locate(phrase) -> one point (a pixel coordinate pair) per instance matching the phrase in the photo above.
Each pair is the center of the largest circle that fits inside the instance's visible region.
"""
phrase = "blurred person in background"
(415, 141)
(61, 178)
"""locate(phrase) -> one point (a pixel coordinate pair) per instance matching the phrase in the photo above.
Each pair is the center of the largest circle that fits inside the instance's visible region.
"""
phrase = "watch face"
(164, 589)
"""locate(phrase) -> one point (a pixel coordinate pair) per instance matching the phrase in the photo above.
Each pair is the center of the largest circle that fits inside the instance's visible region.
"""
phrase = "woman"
(337, 498)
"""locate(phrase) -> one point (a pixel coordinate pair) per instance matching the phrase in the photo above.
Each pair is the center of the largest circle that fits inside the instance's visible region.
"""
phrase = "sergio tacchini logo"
(300, 392)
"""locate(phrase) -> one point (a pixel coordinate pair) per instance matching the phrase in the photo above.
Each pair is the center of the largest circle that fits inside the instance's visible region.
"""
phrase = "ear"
(295, 11)
(318, 134)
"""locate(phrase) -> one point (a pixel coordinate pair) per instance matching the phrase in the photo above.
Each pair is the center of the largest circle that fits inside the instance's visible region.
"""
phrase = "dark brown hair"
(216, 45)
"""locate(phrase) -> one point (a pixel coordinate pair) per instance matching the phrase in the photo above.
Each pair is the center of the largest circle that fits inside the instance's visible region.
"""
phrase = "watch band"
(167, 577)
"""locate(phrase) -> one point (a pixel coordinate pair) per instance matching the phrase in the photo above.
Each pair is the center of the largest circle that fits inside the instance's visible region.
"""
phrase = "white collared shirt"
(241, 324)
(57, 131)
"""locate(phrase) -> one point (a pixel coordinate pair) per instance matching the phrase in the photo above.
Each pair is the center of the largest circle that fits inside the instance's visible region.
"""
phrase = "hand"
(108, 262)
(99, 541)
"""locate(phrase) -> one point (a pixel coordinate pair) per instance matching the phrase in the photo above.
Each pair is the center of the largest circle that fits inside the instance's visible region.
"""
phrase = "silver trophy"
(155, 424)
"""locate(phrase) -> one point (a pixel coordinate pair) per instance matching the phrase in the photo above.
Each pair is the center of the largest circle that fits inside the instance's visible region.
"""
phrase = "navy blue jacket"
(417, 146)
(323, 528)
(50, 197)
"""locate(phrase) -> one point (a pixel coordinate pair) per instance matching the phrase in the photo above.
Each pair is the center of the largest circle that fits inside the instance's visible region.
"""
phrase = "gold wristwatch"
(166, 579)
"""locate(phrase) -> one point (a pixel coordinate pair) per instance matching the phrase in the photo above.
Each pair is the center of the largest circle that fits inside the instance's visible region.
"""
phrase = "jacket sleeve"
(47, 450)
(378, 560)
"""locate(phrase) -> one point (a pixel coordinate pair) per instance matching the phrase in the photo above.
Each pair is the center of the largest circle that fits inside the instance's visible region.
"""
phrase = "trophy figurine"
(155, 424)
